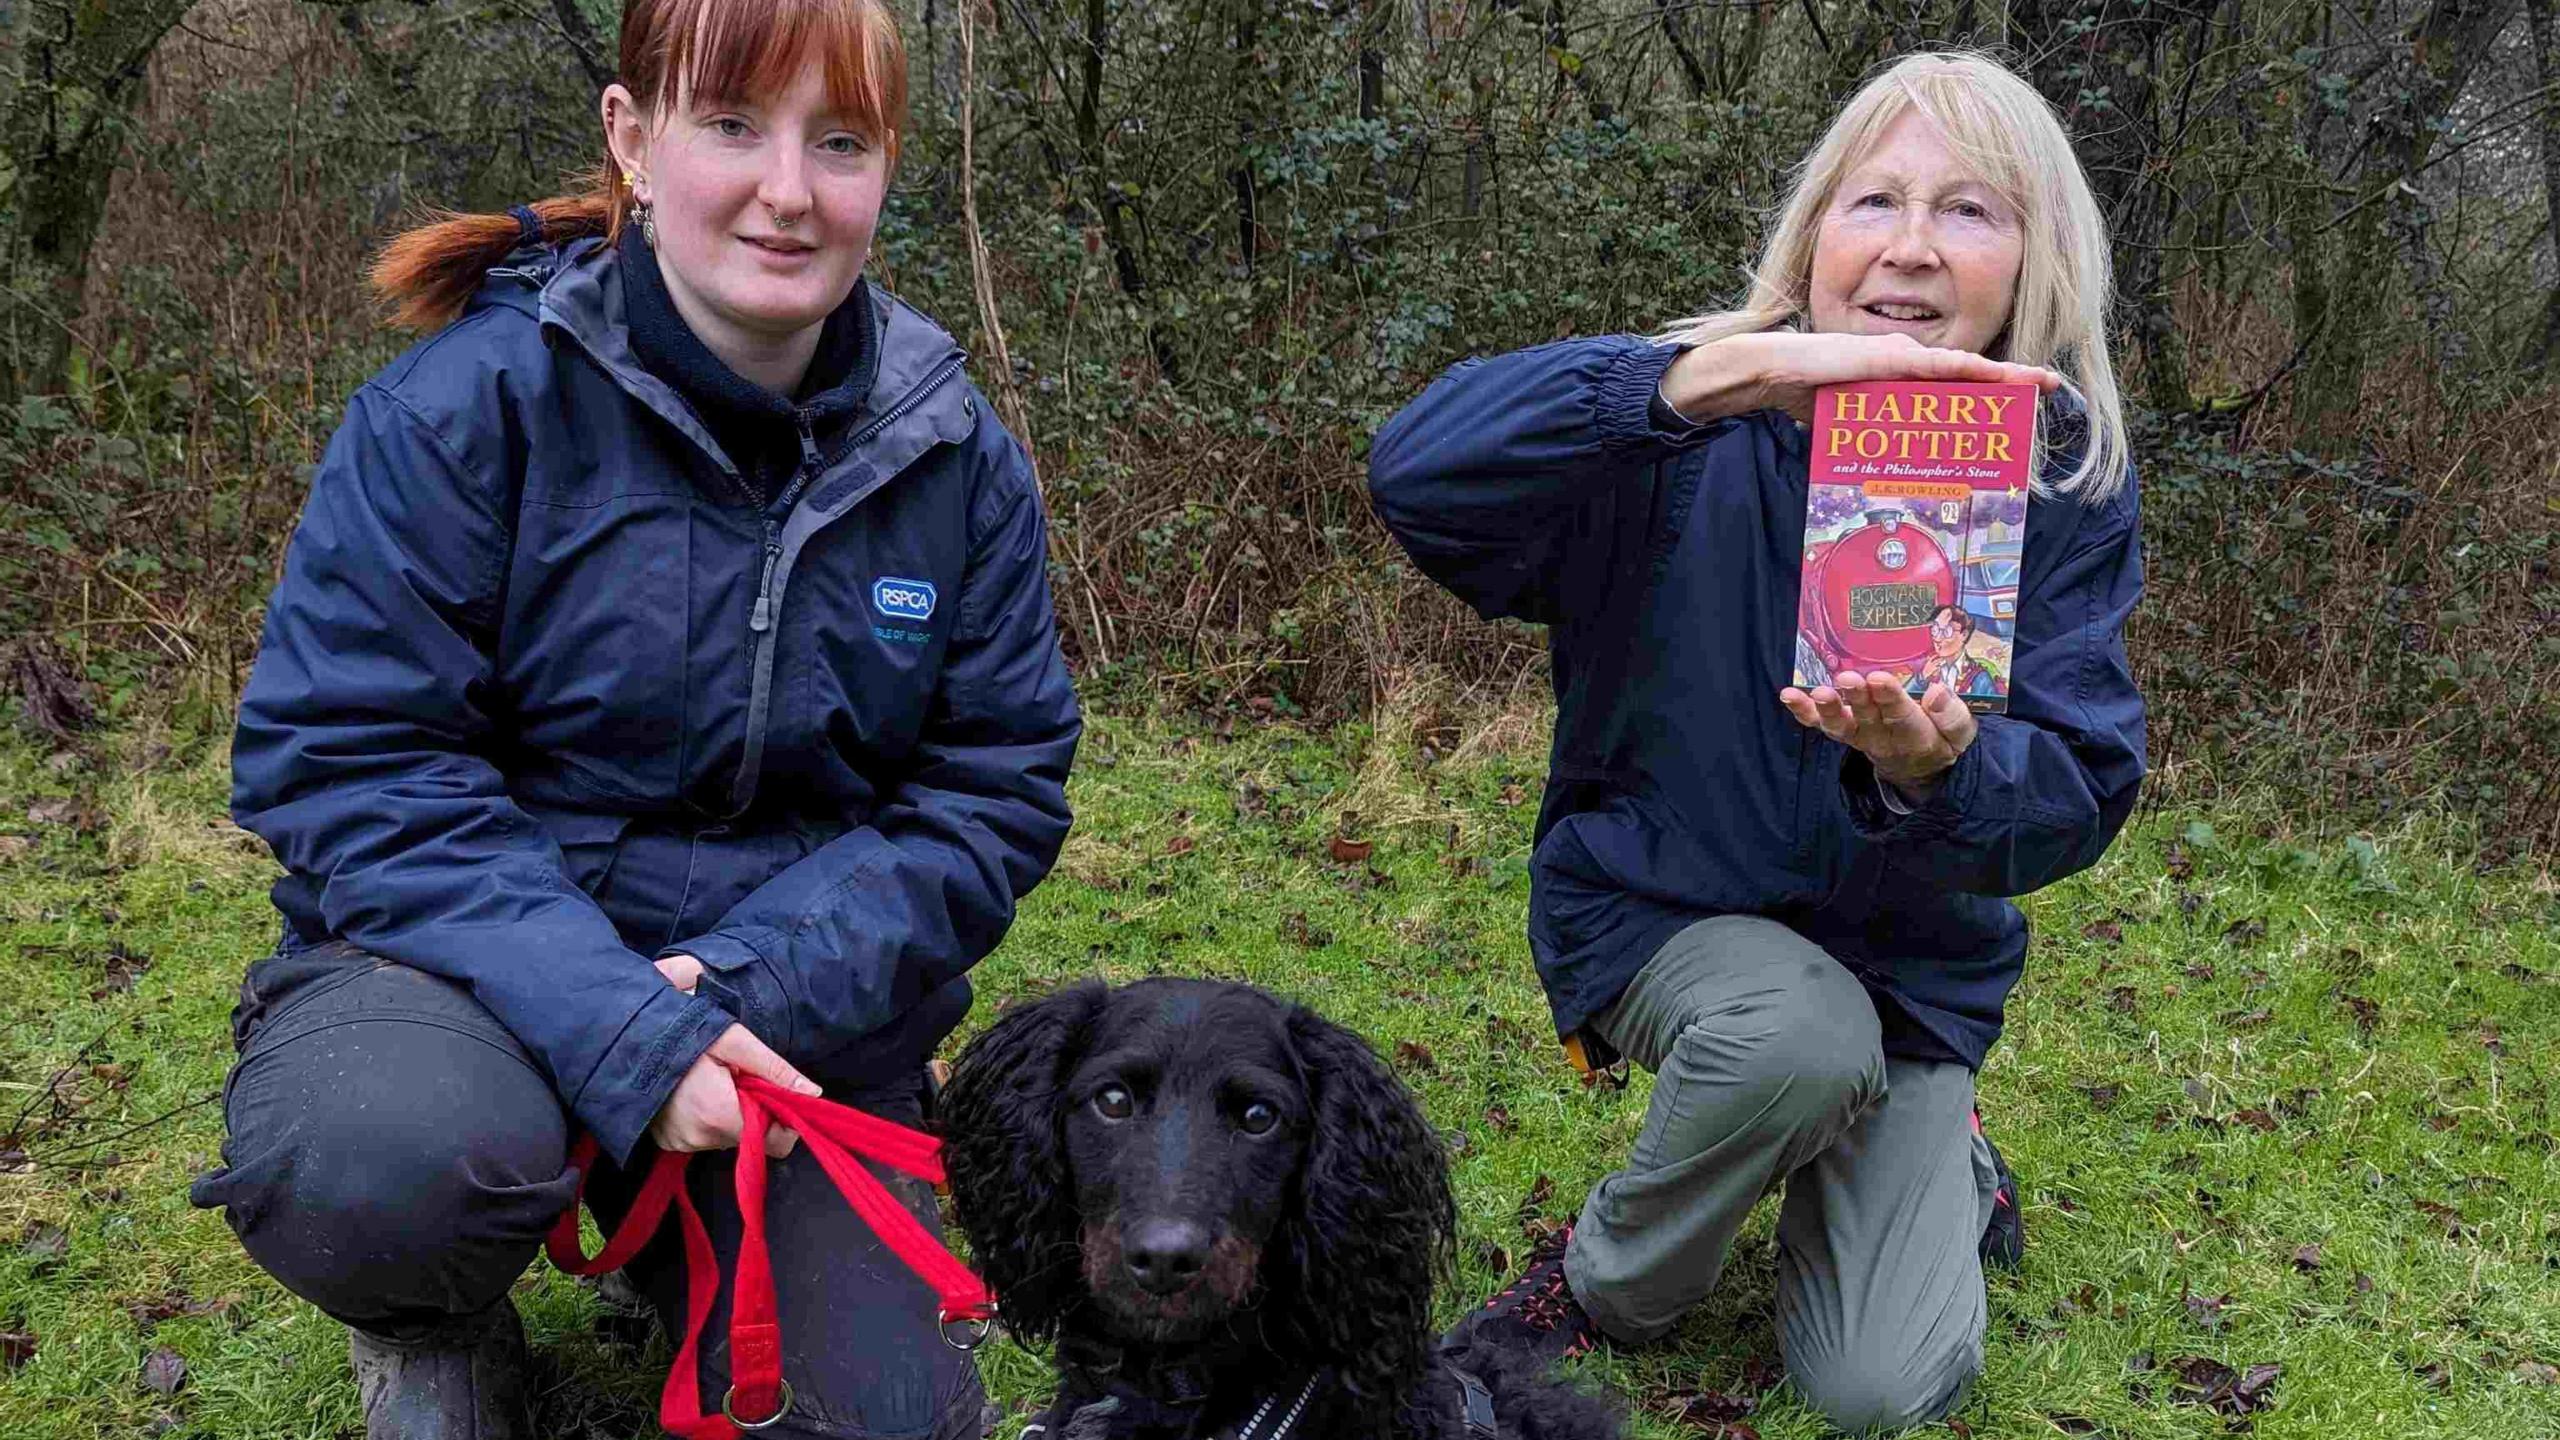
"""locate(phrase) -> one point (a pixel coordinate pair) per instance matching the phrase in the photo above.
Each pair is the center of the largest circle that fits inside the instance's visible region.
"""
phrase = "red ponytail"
(428, 274)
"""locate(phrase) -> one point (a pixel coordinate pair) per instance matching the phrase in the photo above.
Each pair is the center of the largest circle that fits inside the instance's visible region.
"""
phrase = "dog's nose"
(1165, 1255)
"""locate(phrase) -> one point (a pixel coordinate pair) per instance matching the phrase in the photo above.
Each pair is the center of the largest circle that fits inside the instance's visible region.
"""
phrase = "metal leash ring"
(781, 1408)
(974, 1329)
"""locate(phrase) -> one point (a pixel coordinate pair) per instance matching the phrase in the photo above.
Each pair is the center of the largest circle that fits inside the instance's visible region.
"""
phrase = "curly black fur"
(1364, 1227)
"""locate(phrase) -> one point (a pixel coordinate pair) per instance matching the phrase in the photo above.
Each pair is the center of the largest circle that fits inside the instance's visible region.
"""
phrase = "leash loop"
(834, 1135)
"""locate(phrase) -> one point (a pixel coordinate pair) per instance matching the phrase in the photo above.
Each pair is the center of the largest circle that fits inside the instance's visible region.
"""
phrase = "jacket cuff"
(641, 1070)
(738, 978)
(1622, 408)
(1932, 819)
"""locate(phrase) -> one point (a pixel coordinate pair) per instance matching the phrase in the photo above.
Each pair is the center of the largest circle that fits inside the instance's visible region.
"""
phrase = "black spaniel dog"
(1228, 1214)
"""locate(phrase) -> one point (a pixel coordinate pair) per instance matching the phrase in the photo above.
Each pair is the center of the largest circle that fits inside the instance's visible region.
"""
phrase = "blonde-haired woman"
(1792, 907)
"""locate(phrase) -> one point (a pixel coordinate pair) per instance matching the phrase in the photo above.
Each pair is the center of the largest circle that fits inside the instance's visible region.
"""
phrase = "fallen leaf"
(1493, 1257)
(15, 847)
(1180, 845)
(1499, 1119)
(2363, 1283)
(2199, 1092)
(2443, 1214)
(155, 1309)
(163, 1371)
(2307, 1259)
(2200, 971)
(123, 967)
(2251, 1020)
(2122, 999)
(2206, 1381)
(2367, 1014)
(1512, 794)
(17, 1347)
(2178, 862)
(2105, 932)
(40, 1242)
(1541, 1190)
(2535, 1372)
(2206, 1310)
(1299, 929)
(2244, 932)
(1414, 1055)
(2255, 1119)
(1350, 852)
(54, 810)
(2071, 1424)
(2103, 1097)
(2436, 1376)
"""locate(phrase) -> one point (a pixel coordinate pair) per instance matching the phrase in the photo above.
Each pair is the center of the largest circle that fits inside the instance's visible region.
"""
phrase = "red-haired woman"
(662, 684)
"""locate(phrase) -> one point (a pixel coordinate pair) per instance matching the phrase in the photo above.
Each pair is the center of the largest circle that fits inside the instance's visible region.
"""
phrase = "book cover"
(1915, 522)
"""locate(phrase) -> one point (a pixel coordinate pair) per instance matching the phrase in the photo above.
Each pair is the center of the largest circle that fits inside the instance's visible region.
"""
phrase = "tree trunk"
(82, 65)
(2545, 348)
(1246, 74)
(2081, 49)
(2423, 81)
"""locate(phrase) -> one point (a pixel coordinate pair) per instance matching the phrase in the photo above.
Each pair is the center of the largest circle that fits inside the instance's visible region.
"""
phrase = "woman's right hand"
(1780, 370)
(702, 1114)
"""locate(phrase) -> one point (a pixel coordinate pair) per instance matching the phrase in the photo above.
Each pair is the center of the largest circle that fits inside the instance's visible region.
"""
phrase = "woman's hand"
(1909, 742)
(1780, 370)
(702, 1114)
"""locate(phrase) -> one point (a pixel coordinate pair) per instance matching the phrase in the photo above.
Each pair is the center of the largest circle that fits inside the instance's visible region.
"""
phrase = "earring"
(640, 210)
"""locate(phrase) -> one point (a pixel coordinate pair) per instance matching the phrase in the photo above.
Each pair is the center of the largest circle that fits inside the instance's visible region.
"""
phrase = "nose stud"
(780, 223)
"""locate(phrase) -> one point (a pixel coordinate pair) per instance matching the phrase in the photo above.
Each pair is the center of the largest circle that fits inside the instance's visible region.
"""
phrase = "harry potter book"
(1915, 524)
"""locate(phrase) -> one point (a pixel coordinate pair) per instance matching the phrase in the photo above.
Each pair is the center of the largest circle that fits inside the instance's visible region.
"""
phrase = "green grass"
(2227, 1048)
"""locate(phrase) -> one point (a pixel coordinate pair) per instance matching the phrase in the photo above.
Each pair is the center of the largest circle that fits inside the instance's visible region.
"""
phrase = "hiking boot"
(470, 1380)
(2004, 1240)
(1535, 1315)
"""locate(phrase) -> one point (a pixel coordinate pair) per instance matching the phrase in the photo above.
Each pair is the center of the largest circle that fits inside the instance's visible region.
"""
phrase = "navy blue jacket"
(547, 691)
(1665, 562)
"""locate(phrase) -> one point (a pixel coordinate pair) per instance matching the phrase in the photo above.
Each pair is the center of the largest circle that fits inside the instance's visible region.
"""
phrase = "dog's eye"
(1258, 1119)
(1112, 1102)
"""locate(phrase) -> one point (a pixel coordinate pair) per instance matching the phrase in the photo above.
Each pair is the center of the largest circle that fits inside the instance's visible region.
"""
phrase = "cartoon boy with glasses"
(1950, 630)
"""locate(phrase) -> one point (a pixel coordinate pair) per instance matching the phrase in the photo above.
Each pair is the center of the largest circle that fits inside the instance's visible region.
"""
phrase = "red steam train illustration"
(1868, 594)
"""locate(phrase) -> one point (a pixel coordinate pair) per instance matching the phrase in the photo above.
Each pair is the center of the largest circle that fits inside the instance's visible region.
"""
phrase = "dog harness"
(835, 1135)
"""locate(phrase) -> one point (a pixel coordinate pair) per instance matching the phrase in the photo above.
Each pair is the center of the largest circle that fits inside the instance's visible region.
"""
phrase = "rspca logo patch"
(905, 599)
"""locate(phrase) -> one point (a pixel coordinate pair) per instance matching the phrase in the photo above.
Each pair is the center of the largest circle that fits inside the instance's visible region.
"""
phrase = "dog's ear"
(1372, 1223)
(1005, 1148)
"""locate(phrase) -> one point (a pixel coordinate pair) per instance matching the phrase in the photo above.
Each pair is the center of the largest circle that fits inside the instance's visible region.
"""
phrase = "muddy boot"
(470, 1380)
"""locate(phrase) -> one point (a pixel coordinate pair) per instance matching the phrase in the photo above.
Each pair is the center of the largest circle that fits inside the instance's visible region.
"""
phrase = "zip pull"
(808, 442)
(762, 619)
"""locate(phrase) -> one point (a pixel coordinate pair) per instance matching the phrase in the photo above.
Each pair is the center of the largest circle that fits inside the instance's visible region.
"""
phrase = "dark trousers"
(395, 1157)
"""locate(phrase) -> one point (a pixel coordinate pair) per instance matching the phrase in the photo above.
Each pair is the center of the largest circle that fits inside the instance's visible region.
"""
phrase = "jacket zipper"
(771, 583)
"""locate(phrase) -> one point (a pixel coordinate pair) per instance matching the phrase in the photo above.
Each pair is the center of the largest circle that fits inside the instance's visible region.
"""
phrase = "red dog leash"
(835, 1135)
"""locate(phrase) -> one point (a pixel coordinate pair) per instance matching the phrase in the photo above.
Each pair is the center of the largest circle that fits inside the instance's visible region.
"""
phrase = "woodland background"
(1200, 247)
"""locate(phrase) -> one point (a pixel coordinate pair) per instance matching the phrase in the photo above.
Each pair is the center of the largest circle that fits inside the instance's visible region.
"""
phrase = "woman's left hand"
(1910, 742)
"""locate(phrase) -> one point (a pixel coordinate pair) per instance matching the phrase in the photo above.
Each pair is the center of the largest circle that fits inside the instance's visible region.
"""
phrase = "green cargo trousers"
(1768, 1065)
